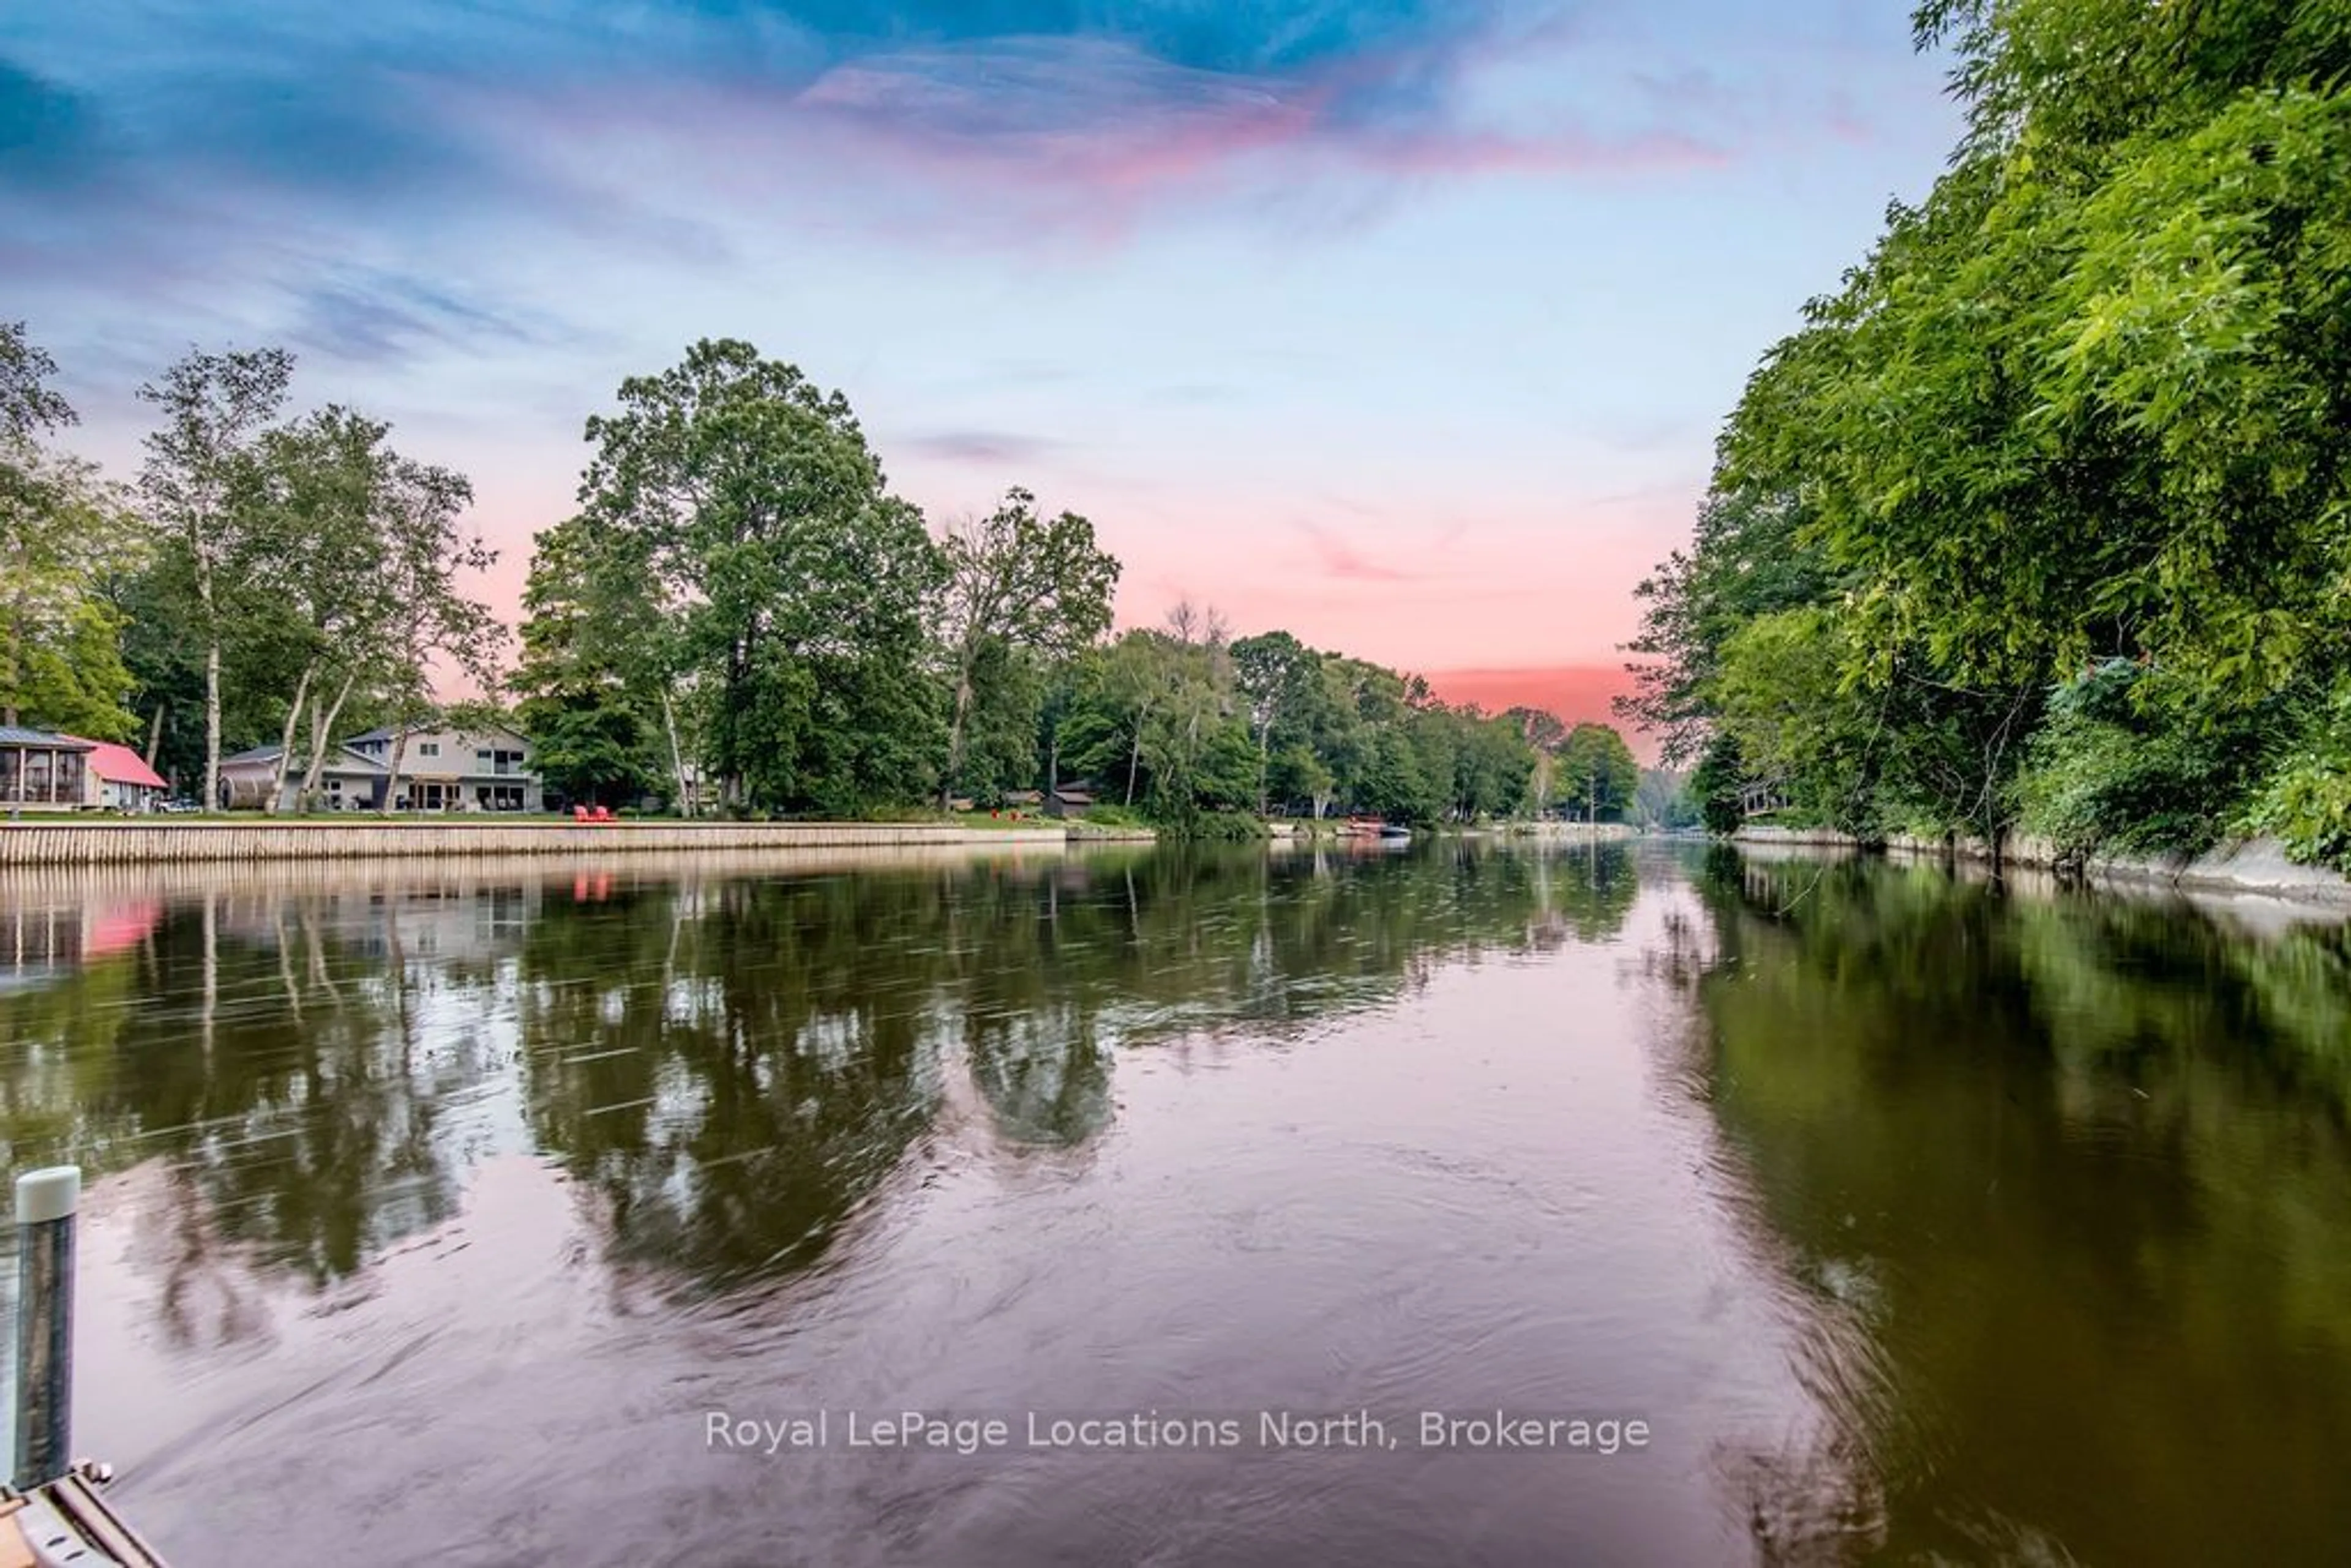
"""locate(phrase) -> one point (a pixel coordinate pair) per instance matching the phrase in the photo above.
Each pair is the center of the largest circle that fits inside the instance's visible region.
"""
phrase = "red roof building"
(120, 779)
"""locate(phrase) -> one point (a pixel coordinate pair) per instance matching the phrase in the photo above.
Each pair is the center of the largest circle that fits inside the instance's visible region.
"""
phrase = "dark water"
(1856, 1214)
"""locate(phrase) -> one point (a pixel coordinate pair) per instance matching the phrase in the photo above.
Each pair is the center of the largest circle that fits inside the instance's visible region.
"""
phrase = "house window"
(428, 748)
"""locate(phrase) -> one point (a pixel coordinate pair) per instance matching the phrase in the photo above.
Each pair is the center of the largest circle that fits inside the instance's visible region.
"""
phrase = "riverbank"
(2253, 865)
(152, 843)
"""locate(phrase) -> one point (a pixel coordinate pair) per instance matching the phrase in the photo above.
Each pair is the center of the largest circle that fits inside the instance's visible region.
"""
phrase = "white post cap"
(52, 1193)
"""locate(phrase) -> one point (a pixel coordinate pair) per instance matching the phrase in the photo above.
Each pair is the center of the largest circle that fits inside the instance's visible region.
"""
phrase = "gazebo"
(41, 770)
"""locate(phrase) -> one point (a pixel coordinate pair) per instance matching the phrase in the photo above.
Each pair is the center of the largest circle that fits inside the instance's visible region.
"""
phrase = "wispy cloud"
(570, 115)
(984, 448)
(1343, 560)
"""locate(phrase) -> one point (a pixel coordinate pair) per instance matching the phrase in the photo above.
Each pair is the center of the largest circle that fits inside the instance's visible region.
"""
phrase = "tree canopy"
(2083, 404)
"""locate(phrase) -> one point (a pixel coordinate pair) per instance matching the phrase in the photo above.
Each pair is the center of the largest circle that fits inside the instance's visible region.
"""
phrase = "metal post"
(46, 1202)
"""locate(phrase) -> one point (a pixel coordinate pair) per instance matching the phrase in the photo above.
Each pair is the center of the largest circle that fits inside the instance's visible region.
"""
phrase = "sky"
(1405, 326)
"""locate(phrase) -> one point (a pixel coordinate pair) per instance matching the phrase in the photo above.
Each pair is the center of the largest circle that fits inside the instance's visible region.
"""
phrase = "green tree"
(2083, 404)
(1276, 673)
(595, 698)
(1596, 768)
(1017, 588)
(65, 533)
(428, 551)
(29, 406)
(199, 484)
(749, 510)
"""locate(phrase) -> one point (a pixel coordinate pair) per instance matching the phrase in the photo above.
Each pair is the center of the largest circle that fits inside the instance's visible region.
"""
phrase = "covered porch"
(41, 772)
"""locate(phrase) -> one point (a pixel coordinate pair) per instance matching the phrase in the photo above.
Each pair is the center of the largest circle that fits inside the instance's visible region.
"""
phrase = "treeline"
(740, 616)
(267, 578)
(2041, 522)
(741, 613)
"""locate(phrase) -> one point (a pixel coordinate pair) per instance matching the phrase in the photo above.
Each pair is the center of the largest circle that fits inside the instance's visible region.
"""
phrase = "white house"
(446, 769)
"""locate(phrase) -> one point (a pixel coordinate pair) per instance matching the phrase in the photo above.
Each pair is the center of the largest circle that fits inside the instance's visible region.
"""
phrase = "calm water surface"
(438, 1213)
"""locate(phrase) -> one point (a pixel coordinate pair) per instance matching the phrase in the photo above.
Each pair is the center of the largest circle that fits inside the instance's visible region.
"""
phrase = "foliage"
(1662, 799)
(2112, 771)
(2083, 404)
(2307, 799)
(742, 503)
(1597, 774)
(1018, 591)
(64, 533)
(1715, 782)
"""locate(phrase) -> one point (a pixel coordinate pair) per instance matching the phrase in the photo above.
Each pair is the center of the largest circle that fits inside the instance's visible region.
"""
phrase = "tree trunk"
(286, 742)
(955, 738)
(676, 755)
(1133, 758)
(211, 718)
(399, 757)
(1264, 765)
(322, 731)
(15, 646)
(155, 733)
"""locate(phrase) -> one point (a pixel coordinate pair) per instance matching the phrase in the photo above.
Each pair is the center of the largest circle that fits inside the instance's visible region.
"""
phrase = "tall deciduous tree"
(199, 484)
(749, 508)
(64, 533)
(319, 500)
(1276, 673)
(1596, 767)
(594, 676)
(429, 550)
(1022, 585)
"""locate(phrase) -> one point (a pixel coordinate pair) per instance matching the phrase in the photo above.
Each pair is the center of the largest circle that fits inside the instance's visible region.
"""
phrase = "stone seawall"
(158, 844)
(2254, 865)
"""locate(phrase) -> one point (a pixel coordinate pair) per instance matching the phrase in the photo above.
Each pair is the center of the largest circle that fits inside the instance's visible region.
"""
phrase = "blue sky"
(1407, 326)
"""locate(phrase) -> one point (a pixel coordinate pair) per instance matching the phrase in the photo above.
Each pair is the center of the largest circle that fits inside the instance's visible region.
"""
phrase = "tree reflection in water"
(2050, 1178)
(730, 1064)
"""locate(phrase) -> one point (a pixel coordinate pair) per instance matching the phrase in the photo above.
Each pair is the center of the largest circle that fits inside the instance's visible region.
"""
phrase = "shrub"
(2306, 803)
(2119, 770)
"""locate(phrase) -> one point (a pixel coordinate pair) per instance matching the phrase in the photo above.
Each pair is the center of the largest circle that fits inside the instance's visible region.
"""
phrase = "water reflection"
(1928, 1221)
(728, 1062)
(2058, 1185)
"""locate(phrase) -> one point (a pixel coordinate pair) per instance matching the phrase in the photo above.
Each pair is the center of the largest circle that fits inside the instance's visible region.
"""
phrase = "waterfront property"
(350, 780)
(38, 769)
(441, 769)
(1070, 800)
(446, 769)
(116, 779)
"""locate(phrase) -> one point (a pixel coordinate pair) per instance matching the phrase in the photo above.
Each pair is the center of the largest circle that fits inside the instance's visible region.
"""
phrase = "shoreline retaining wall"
(76, 843)
(2252, 866)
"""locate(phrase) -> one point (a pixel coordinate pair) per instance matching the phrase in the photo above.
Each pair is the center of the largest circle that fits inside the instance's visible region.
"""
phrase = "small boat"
(65, 1521)
(1395, 830)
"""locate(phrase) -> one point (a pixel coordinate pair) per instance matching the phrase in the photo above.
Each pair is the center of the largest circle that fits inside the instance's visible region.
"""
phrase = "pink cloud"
(1072, 132)
(1342, 561)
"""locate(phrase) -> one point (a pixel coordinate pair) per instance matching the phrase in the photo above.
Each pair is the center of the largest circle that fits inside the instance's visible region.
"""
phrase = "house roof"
(120, 765)
(14, 734)
(387, 733)
(349, 761)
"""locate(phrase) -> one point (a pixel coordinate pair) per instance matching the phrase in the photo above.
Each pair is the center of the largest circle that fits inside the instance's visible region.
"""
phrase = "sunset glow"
(1403, 326)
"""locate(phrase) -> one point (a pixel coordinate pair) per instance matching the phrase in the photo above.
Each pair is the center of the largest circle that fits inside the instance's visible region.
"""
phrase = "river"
(1458, 1204)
